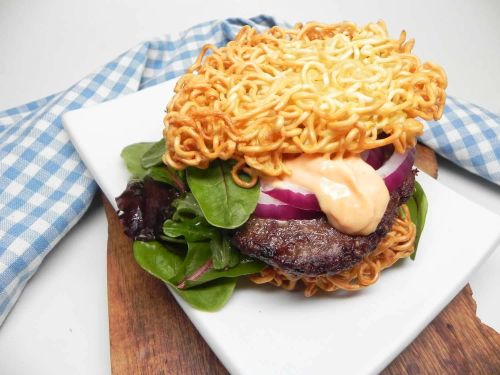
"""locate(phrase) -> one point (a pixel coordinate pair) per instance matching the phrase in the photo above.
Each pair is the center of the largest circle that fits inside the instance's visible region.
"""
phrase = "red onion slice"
(396, 168)
(270, 208)
(292, 195)
(374, 157)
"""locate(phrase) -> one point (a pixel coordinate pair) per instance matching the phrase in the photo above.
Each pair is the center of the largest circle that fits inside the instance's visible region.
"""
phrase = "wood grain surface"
(150, 334)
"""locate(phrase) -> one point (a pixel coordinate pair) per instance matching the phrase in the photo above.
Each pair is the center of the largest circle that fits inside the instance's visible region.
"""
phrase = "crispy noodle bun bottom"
(397, 244)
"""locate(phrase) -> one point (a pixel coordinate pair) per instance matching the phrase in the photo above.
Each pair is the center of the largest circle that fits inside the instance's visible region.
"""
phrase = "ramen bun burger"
(324, 119)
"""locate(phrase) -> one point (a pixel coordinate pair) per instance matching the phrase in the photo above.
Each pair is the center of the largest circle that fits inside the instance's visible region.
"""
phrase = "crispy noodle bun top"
(316, 88)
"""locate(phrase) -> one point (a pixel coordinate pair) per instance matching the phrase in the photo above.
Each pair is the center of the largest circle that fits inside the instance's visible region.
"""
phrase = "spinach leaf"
(198, 267)
(153, 156)
(223, 203)
(188, 222)
(186, 208)
(197, 256)
(173, 240)
(412, 206)
(418, 204)
(422, 206)
(154, 258)
(211, 296)
(222, 254)
(145, 159)
(245, 267)
(195, 229)
(157, 259)
(132, 155)
(163, 174)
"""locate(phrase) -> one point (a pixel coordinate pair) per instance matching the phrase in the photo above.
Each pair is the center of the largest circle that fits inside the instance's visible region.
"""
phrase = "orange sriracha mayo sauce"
(350, 192)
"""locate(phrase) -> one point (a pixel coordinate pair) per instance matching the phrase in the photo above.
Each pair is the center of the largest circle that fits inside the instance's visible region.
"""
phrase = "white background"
(59, 325)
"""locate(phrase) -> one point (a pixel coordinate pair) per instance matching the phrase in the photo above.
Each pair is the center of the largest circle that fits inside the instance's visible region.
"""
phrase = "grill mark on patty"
(313, 247)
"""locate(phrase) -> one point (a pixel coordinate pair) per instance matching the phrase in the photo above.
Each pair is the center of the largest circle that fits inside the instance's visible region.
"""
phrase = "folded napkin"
(45, 188)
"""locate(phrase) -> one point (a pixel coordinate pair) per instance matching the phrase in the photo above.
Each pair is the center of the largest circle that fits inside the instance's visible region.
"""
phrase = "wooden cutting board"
(150, 334)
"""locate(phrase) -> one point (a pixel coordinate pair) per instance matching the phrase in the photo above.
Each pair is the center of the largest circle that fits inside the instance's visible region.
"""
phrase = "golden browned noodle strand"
(316, 88)
(398, 243)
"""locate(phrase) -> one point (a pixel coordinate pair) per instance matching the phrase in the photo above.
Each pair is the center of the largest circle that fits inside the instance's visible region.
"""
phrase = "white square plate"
(265, 330)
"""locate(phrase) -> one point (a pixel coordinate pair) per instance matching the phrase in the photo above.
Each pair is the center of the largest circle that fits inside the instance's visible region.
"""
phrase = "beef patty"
(313, 247)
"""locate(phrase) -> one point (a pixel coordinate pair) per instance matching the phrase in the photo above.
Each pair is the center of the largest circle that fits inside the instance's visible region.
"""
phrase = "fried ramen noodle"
(316, 88)
(399, 243)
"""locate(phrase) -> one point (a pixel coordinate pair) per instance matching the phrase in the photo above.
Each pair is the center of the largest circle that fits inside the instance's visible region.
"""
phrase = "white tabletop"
(59, 324)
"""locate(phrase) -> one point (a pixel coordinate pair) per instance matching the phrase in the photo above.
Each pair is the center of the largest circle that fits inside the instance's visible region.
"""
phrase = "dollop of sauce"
(349, 191)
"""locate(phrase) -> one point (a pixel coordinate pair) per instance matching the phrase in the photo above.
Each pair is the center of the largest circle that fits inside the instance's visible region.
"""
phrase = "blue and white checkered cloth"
(45, 188)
